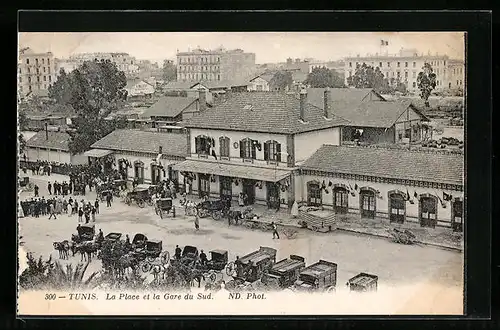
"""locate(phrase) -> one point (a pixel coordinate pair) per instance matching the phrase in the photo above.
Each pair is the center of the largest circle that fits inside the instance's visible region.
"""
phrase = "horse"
(63, 248)
(124, 262)
(86, 249)
(158, 271)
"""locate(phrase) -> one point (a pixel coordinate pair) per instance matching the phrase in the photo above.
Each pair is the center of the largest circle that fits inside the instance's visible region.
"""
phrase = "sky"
(269, 47)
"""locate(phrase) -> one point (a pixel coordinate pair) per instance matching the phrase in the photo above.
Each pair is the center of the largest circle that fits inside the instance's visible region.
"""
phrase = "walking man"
(52, 211)
(196, 222)
(80, 214)
(96, 205)
(275, 231)
(36, 191)
(177, 254)
(49, 188)
(108, 200)
(93, 213)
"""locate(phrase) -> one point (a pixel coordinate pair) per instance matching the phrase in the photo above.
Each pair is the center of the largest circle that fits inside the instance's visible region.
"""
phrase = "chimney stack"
(327, 99)
(46, 131)
(303, 99)
(203, 99)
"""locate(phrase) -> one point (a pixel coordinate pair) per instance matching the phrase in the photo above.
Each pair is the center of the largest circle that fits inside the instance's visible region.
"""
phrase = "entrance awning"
(97, 153)
(230, 170)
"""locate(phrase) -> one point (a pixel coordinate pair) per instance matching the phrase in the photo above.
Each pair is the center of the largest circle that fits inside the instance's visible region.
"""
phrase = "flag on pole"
(447, 197)
(356, 186)
(407, 197)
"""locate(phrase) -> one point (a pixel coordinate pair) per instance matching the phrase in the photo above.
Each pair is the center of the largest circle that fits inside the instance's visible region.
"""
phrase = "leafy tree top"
(281, 80)
(426, 82)
(324, 77)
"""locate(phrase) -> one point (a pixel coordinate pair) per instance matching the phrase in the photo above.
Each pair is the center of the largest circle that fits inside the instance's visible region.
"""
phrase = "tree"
(366, 76)
(93, 91)
(426, 82)
(169, 71)
(281, 80)
(23, 121)
(324, 77)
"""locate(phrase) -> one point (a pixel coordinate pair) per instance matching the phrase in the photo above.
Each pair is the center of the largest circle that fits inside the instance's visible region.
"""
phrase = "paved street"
(394, 264)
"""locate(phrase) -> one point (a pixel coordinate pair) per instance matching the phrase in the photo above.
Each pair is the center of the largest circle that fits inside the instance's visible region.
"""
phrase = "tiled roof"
(440, 167)
(356, 106)
(173, 144)
(179, 85)
(56, 140)
(169, 106)
(211, 84)
(271, 112)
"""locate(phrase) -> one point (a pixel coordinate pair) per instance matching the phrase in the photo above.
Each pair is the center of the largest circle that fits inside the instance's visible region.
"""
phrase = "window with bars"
(368, 202)
(248, 149)
(225, 144)
(272, 151)
(341, 197)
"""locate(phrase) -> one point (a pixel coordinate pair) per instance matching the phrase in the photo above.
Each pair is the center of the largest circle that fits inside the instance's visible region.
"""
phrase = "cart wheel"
(127, 200)
(331, 289)
(230, 267)
(216, 215)
(146, 267)
(150, 202)
(150, 258)
(161, 213)
(156, 210)
(141, 203)
(212, 276)
(173, 211)
(165, 258)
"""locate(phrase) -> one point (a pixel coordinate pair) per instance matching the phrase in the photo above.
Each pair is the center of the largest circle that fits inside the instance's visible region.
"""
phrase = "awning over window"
(97, 153)
(230, 170)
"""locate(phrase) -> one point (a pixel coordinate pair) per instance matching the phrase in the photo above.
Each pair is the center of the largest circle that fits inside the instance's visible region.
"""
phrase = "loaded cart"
(284, 273)
(363, 282)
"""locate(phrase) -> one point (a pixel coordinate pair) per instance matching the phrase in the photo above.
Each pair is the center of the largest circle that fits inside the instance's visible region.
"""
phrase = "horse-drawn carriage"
(190, 255)
(363, 282)
(402, 236)
(283, 274)
(139, 241)
(84, 233)
(250, 268)
(216, 208)
(113, 237)
(321, 276)
(151, 250)
(164, 206)
(141, 194)
(24, 182)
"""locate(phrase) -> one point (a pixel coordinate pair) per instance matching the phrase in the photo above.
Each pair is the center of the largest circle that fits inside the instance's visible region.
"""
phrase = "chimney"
(327, 99)
(203, 99)
(46, 131)
(303, 99)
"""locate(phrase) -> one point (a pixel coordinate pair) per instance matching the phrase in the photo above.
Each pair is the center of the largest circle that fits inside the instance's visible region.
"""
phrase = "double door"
(249, 191)
(226, 188)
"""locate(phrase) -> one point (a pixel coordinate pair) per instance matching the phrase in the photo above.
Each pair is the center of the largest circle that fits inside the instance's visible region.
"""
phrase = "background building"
(66, 64)
(36, 71)
(123, 61)
(214, 65)
(456, 75)
(404, 67)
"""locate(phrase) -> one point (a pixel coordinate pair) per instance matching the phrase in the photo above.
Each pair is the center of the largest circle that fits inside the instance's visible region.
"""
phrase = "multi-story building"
(123, 61)
(456, 75)
(404, 67)
(36, 71)
(214, 65)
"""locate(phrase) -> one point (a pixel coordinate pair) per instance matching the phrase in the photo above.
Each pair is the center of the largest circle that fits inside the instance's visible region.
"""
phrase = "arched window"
(247, 149)
(428, 210)
(340, 199)
(203, 144)
(397, 206)
(272, 151)
(224, 143)
(314, 193)
(367, 202)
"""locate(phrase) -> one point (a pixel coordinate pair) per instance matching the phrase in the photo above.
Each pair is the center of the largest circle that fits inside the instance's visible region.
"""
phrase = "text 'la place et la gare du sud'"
(165, 296)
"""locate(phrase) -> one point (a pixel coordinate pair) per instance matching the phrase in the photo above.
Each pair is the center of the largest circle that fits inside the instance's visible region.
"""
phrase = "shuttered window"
(203, 145)
(247, 149)
(272, 151)
(224, 143)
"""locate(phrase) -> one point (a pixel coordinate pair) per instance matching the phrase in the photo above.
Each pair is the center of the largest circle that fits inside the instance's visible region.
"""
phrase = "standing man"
(275, 231)
(36, 191)
(96, 205)
(52, 211)
(49, 188)
(177, 252)
(196, 222)
(80, 214)
(108, 200)
(93, 211)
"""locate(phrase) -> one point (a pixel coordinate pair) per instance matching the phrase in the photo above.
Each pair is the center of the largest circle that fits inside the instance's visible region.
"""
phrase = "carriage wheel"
(150, 202)
(141, 203)
(161, 213)
(146, 267)
(230, 268)
(127, 200)
(156, 210)
(150, 258)
(331, 289)
(173, 211)
(165, 258)
(216, 215)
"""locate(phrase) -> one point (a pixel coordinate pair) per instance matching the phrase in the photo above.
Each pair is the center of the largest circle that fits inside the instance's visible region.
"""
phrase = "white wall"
(443, 214)
(236, 136)
(34, 154)
(146, 159)
(307, 143)
(258, 82)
